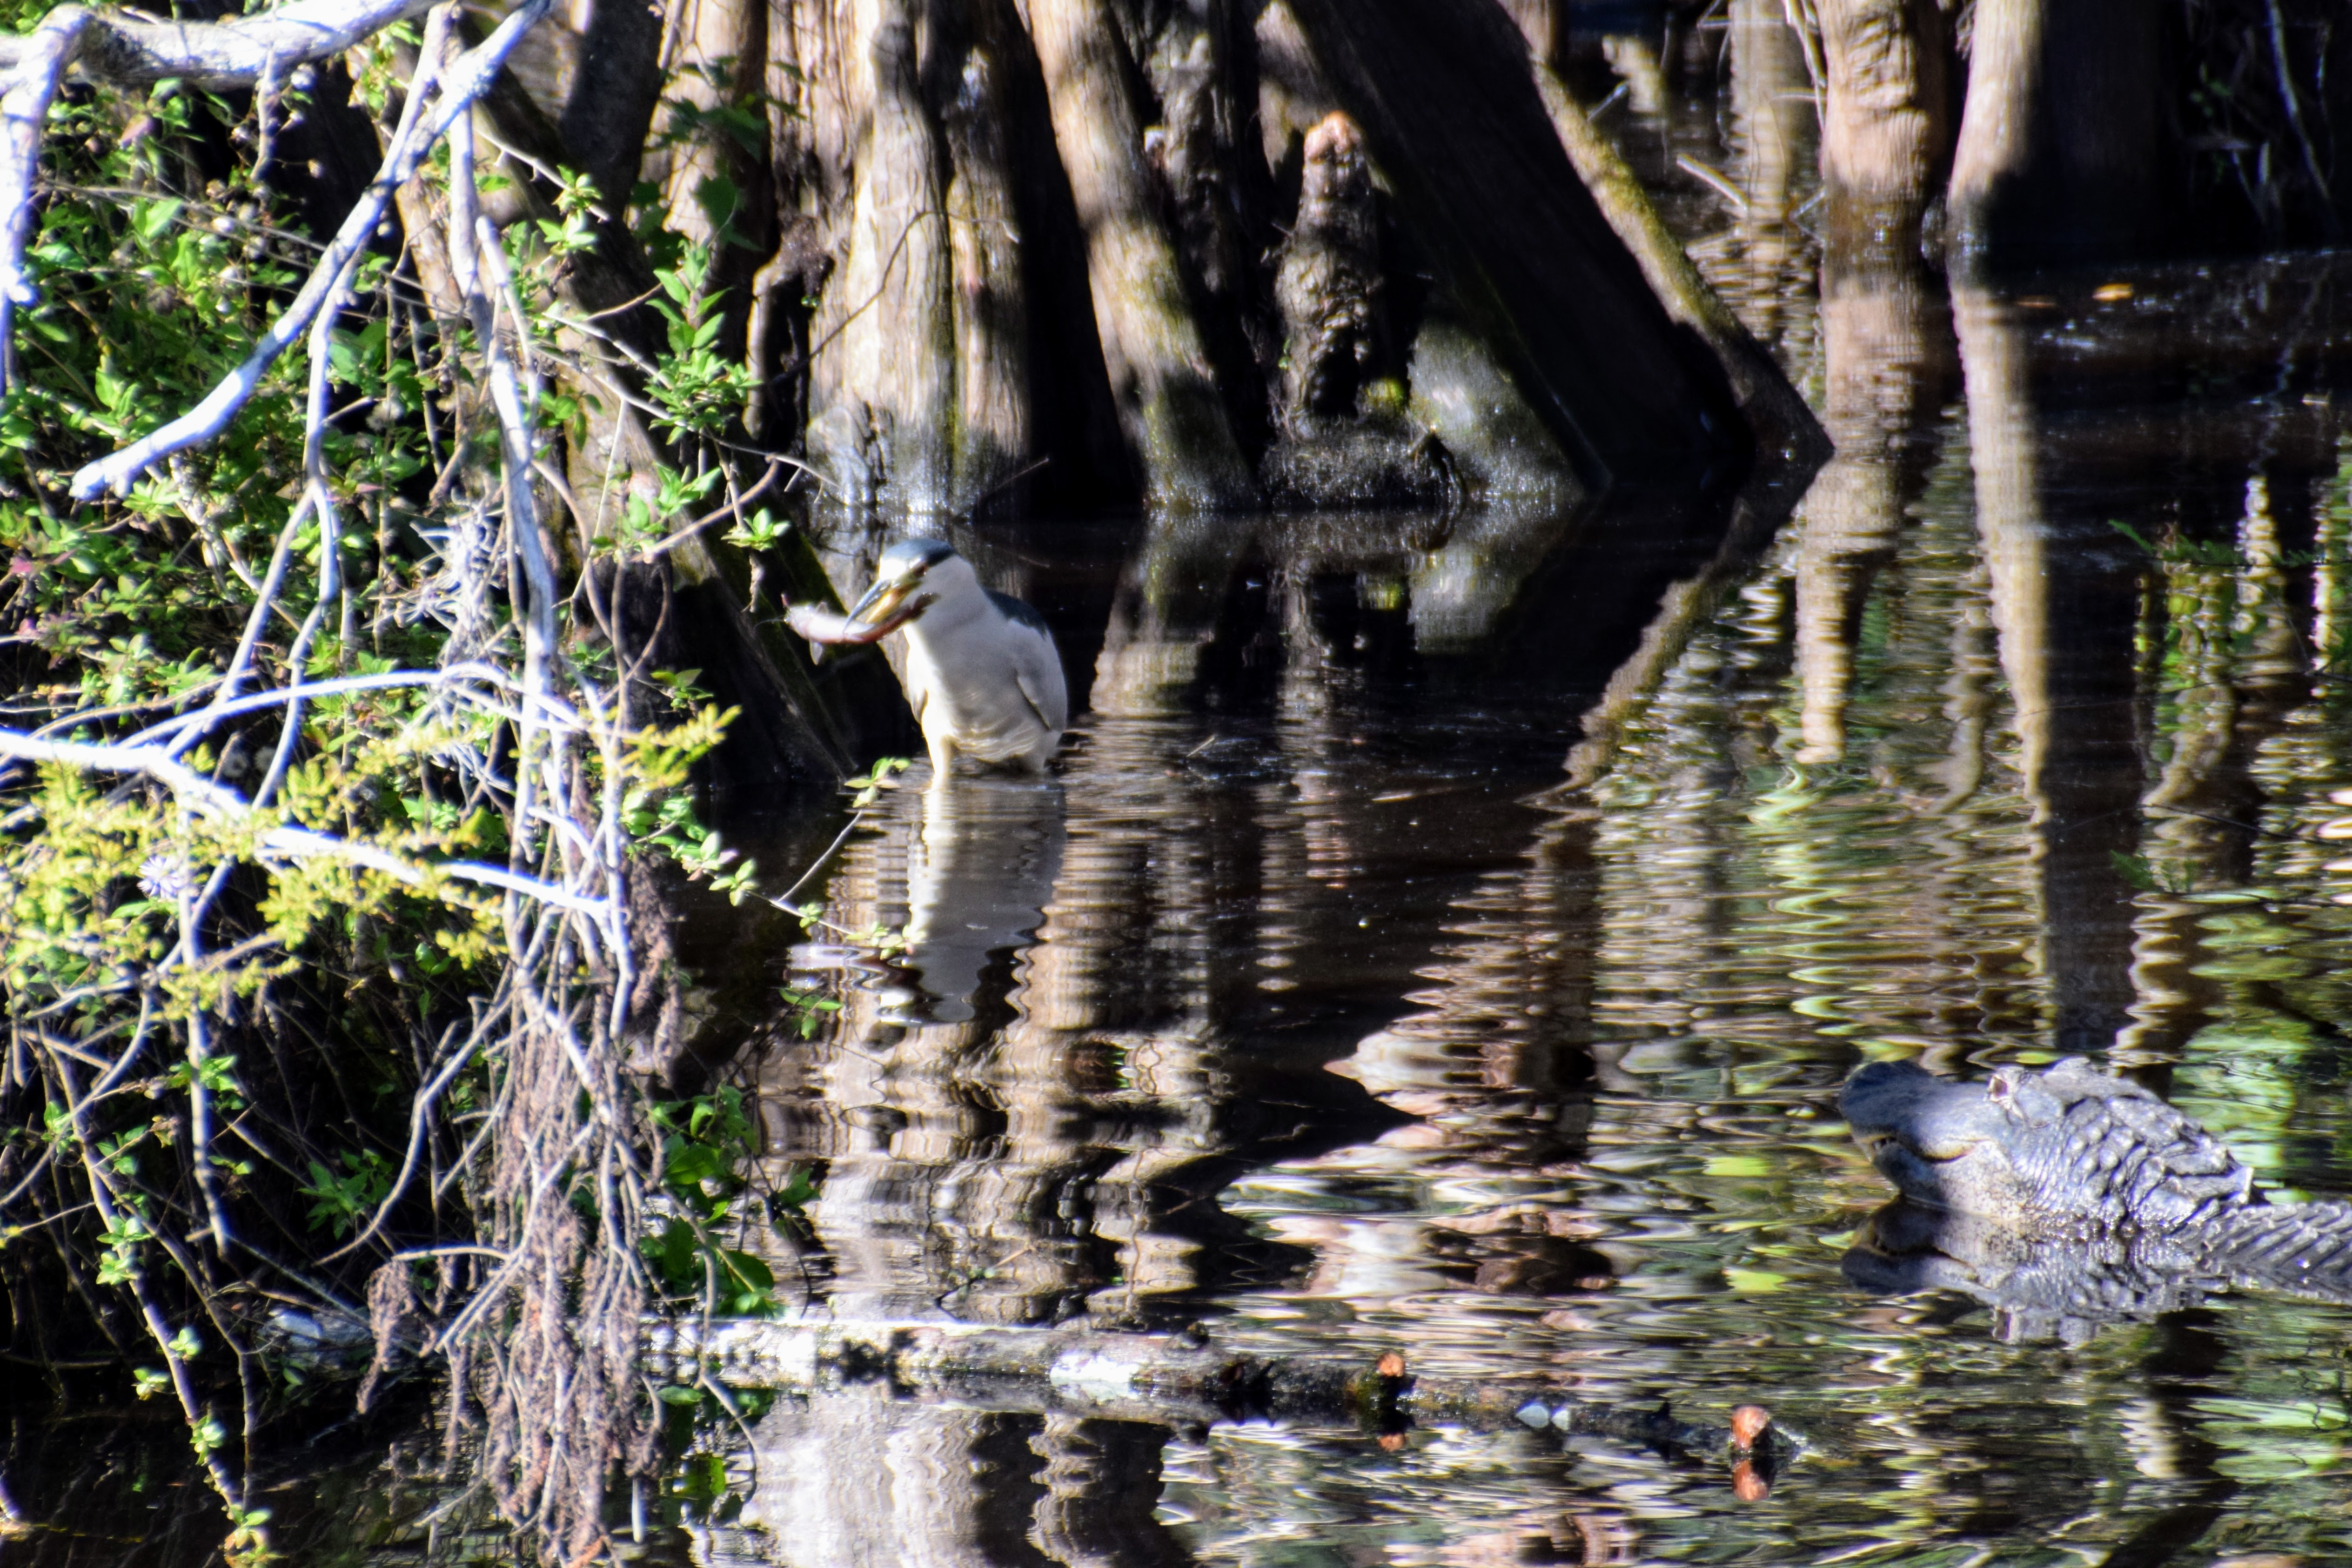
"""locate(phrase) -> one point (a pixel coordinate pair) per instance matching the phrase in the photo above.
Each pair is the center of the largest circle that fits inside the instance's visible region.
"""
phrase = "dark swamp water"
(1449, 935)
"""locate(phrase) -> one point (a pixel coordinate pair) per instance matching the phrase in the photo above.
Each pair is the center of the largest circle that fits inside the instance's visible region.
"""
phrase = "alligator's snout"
(1936, 1139)
(1903, 1102)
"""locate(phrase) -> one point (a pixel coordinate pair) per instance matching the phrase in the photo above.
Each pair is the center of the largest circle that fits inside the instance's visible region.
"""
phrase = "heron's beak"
(884, 597)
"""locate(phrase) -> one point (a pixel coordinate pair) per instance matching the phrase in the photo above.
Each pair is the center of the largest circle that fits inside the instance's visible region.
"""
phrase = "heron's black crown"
(912, 555)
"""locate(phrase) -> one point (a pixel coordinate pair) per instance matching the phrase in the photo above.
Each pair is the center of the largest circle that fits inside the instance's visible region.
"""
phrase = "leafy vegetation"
(322, 768)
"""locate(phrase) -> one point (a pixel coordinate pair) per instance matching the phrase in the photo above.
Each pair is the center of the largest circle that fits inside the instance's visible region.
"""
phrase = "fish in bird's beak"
(885, 596)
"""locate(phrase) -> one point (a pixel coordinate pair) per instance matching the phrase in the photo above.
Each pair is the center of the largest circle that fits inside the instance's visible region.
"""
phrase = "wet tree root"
(1181, 1379)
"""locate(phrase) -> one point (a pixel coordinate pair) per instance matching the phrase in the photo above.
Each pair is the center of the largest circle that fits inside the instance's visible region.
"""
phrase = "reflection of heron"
(981, 671)
(980, 867)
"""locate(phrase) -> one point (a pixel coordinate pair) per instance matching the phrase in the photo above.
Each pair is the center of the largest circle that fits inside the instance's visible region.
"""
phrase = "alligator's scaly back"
(2075, 1151)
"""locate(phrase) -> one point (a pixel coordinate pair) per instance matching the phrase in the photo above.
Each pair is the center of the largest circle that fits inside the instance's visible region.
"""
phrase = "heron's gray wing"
(1036, 663)
(1038, 668)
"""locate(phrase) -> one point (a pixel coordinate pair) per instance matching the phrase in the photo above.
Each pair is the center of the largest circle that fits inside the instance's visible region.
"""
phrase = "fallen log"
(1181, 1379)
(1775, 409)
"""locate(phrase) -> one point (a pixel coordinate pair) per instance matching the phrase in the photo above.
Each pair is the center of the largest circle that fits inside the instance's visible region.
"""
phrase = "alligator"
(2069, 1198)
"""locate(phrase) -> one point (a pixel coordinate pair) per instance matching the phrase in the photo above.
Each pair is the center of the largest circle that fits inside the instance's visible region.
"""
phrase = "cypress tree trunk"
(883, 373)
(2061, 147)
(1161, 378)
(1886, 130)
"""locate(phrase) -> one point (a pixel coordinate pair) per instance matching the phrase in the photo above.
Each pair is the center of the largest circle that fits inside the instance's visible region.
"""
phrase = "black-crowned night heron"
(980, 671)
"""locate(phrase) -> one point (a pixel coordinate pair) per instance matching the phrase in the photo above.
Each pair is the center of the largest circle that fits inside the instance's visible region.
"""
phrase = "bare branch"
(222, 803)
(465, 81)
(125, 48)
(23, 109)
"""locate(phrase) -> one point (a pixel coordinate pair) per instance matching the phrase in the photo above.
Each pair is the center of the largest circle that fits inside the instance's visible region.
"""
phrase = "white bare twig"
(466, 81)
(116, 46)
(123, 47)
(24, 110)
(344, 686)
(222, 803)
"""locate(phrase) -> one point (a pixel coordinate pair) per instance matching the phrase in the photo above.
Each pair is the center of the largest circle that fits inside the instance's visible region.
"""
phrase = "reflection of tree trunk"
(2065, 607)
(2166, 1435)
(2331, 586)
(1887, 126)
(859, 1478)
(1496, 1064)
(1102, 1486)
(1019, 1165)
(1889, 353)
(2240, 671)
(1165, 617)
(2059, 144)
(1967, 703)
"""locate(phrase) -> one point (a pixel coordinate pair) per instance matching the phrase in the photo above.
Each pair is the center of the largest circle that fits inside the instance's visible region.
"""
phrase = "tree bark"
(992, 435)
(1887, 132)
(883, 380)
(1456, 127)
(716, 190)
(2059, 157)
(1160, 377)
(594, 70)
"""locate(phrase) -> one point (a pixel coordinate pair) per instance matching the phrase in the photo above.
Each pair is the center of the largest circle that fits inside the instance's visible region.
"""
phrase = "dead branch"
(224, 804)
(24, 110)
(465, 81)
(123, 47)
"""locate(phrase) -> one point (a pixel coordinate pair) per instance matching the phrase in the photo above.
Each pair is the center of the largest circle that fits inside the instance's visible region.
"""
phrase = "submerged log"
(1181, 1379)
